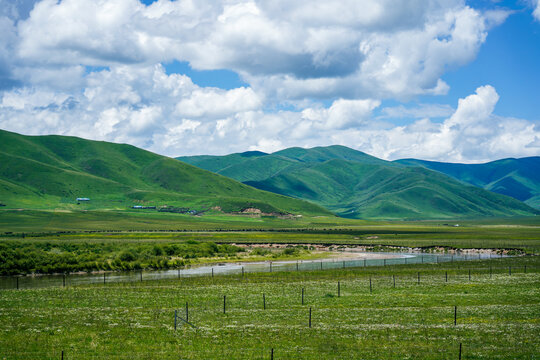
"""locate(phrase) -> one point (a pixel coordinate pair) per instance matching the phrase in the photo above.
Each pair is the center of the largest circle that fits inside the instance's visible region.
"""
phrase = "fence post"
(187, 312)
(104, 278)
(141, 275)
(270, 266)
(446, 276)
(370, 285)
(272, 354)
(394, 278)
(242, 271)
(419, 277)
(224, 303)
(175, 317)
(64, 280)
(469, 274)
(297, 266)
(17, 278)
(459, 351)
(321, 264)
(338, 289)
(302, 296)
(264, 302)
(62, 355)
(179, 273)
(309, 317)
(212, 273)
(455, 315)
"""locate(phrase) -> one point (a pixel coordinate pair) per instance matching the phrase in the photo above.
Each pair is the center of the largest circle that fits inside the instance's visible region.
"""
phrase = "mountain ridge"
(51, 171)
(355, 184)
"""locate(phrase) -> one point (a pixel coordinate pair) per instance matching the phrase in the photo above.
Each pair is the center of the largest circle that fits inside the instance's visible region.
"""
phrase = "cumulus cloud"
(284, 50)
(536, 11)
(92, 68)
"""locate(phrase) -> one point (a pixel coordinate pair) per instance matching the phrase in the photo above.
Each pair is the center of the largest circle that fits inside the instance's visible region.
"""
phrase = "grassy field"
(498, 315)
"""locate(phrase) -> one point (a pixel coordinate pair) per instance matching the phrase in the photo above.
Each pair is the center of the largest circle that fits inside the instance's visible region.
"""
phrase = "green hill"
(354, 184)
(518, 178)
(52, 171)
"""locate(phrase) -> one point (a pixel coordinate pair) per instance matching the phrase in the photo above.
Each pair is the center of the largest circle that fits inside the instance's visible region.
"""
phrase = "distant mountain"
(52, 171)
(518, 178)
(356, 185)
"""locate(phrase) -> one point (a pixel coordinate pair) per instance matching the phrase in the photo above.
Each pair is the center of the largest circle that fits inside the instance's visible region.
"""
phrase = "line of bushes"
(18, 257)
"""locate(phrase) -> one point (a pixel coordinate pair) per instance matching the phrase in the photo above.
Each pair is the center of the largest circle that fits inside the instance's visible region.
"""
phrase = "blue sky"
(449, 81)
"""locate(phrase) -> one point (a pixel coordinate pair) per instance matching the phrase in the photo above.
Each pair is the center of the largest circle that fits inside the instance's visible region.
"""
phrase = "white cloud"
(536, 11)
(285, 50)
(92, 68)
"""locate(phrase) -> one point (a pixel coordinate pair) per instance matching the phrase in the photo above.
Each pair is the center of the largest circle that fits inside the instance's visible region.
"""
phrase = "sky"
(444, 80)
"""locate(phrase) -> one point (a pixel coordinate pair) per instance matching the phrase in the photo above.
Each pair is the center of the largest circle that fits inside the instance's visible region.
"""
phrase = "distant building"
(83, 199)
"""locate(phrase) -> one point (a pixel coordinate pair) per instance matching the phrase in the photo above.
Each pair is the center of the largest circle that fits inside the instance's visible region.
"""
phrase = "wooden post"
(302, 296)
(370, 289)
(455, 315)
(264, 302)
(459, 351)
(224, 303)
(175, 318)
(187, 312)
(309, 317)
(338, 289)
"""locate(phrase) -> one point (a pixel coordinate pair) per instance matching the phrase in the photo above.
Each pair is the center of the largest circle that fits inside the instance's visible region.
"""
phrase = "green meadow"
(430, 311)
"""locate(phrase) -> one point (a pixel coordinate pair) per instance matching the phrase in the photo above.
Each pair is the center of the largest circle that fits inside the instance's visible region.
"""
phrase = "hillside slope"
(356, 185)
(518, 178)
(51, 171)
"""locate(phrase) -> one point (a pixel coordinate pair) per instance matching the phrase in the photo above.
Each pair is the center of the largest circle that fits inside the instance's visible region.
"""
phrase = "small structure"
(83, 199)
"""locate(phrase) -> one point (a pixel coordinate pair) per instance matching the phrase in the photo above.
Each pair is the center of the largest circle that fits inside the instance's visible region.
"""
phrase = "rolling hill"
(356, 185)
(52, 171)
(518, 178)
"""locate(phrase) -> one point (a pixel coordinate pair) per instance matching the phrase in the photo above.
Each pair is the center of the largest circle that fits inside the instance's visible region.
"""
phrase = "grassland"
(498, 315)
